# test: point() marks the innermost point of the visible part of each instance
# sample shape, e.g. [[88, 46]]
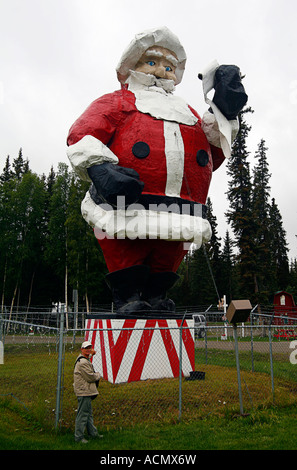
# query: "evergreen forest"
[[47, 250]]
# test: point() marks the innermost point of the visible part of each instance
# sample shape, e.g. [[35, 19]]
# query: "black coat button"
[[141, 150], [202, 157]]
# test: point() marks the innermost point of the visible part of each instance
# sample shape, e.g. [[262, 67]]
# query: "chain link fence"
[[183, 370]]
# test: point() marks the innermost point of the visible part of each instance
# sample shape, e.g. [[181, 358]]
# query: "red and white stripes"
[[132, 350]]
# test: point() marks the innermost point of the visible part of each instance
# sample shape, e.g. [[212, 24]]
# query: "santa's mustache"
[[151, 81], [167, 85]]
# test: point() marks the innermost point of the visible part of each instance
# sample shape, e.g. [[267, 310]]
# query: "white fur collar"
[[155, 97]]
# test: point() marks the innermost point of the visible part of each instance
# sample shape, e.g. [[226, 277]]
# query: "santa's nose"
[[160, 72]]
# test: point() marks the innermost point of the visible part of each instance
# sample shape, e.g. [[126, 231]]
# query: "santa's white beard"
[[148, 80], [152, 98]]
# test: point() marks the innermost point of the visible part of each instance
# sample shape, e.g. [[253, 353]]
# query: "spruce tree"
[[50, 181], [239, 214], [202, 291], [213, 249], [205, 274], [22, 197], [292, 284], [20, 166], [264, 273], [7, 234], [214, 245], [279, 247], [56, 247], [229, 278], [29, 201], [181, 292], [7, 172]]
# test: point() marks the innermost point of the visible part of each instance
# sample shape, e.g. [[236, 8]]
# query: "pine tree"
[[20, 166], [205, 267], [263, 271], [202, 291], [214, 244], [239, 215], [21, 234], [229, 278], [7, 172], [279, 247], [7, 236], [56, 246], [29, 201], [213, 249], [181, 292], [50, 181], [292, 285]]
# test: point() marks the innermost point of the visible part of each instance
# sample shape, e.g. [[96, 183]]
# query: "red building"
[[284, 306]]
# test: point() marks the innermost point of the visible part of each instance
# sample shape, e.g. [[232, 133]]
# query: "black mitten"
[[112, 181], [230, 96]]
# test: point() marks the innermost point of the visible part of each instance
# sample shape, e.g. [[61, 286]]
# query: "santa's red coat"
[[138, 140], [114, 120]]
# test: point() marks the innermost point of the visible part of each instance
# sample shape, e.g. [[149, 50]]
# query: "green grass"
[[281, 366], [266, 429], [144, 415]]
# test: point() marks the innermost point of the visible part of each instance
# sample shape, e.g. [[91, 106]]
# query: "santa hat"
[[162, 37]]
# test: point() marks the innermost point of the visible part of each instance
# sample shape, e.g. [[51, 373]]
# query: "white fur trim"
[[157, 102], [166, 107], [87, 152], [211, 129], [175, 153], [227, 129], [155, 53], [140, 223]]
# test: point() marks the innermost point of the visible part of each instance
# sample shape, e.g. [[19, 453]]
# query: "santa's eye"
[[151, 63], [168, 69]]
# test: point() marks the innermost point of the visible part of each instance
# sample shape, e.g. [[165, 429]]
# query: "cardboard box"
[[239, 311]]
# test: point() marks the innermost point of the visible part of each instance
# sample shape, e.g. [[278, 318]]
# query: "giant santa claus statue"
[[149, 158]]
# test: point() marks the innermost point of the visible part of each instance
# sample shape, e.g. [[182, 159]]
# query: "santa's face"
[[159, 62]]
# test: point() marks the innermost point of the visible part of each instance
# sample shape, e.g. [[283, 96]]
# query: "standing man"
[[85, 385]]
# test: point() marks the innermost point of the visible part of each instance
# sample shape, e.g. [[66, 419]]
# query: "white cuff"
[[87, 152], [227, 129], [211, 129]]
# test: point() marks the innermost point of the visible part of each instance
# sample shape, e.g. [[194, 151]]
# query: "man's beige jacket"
[[85, 378]]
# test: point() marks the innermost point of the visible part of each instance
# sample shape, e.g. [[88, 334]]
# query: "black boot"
[[126, 286], [156, 288]]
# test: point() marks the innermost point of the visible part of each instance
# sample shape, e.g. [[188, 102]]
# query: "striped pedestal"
[[131, 350]]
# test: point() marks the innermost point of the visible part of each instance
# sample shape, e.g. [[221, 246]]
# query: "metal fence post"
[[180, 368], [1, 327], [59, 372], [1, 341], [252, 337], [75, 312], [238, 367], [271, 361], [252, 343], [205, 337]]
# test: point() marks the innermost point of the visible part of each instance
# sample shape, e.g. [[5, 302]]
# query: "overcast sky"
[[57, 56]]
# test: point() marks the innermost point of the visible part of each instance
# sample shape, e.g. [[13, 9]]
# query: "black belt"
[[157, 203]]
